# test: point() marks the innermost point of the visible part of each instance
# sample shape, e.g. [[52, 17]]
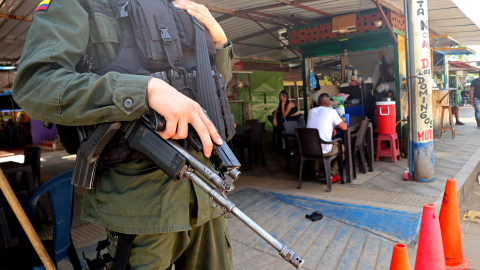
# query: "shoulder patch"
[[43, 6]]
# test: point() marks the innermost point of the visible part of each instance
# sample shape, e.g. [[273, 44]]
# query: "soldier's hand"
[[179, 111], [203, 14]]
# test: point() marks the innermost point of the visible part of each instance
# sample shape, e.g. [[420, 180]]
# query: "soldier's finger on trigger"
[[204, 135], [182, 130], [211, 128]]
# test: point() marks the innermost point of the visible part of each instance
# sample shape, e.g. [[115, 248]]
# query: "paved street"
[[324, 244]]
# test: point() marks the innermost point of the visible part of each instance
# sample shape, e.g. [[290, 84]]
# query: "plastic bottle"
[[349, 74], [340, 110]]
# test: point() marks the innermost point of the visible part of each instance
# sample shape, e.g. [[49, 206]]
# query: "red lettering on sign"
[[421, 136], [425, 135], [425, 63], [425, 35], [425, 44]]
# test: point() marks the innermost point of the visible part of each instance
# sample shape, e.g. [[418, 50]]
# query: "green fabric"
[[204, 247], [136, 198], [339, 99], [133, 197]]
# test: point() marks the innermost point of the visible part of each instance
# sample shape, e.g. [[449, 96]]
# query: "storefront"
[[447, 83], [254, 89], [369, 53], [371, 64]]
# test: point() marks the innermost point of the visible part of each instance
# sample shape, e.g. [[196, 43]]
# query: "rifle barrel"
[[229, 206]]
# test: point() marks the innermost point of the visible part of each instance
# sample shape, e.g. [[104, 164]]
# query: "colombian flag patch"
[[43, 6]]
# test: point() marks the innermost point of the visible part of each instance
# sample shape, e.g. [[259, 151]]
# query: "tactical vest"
[[160, 40]]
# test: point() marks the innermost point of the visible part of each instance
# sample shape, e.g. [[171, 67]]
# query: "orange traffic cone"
[[450, 227], [400, 259], [430, 247]]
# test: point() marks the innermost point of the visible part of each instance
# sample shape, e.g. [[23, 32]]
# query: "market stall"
[[445, 87], [371, 63]]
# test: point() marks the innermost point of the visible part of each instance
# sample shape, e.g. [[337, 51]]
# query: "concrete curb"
[[466, 179]]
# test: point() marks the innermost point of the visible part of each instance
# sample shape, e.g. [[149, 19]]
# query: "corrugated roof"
[[445, 18], [253, 42], [460, 65]]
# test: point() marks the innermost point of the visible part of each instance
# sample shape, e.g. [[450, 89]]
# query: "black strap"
[[167, 40], [124, 245], [128, 42], [205, 83]]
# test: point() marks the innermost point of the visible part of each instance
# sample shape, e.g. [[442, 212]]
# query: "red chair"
[[384, 151]]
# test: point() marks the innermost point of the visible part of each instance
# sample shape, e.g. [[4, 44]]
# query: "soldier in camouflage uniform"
[[173, 221]]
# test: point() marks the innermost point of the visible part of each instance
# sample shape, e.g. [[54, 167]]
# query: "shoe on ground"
[[335, 178], [458, 123]]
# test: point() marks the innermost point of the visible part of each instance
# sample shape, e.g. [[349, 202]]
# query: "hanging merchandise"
[[387, 71], [318, 87], [313, 82]]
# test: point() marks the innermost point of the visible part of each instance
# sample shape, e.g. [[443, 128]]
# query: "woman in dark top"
[[286, 111]]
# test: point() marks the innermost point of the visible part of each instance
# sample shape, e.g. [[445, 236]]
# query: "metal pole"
[[286, 46], [307, 65], [15, 17], [409, 87], [421, 91]]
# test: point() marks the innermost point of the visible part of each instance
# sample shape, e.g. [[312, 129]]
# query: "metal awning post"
[[409, 87], [389, 27]]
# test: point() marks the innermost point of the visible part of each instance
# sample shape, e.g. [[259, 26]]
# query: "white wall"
[[366, 63]]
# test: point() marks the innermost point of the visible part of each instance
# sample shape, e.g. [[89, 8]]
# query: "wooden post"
[[26, 225]]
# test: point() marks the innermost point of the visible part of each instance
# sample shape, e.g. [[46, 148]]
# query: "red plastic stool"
[[384, 151]]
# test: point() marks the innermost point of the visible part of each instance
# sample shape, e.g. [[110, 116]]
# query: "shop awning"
[[458, 65], [443, 41], [454, 51]]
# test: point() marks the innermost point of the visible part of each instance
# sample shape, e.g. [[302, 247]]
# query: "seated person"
[[465, 96], [456, 112], [324, 119], [286, 111]]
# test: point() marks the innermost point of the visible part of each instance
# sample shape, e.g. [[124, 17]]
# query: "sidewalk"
[[385, 186], [379, 202], [362, 220]]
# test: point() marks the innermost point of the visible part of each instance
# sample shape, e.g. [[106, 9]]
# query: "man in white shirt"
[[325, 119]]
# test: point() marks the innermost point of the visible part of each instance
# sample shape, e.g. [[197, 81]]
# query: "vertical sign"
[[422, 92]]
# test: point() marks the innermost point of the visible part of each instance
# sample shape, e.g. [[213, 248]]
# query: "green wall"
[[262, 96]]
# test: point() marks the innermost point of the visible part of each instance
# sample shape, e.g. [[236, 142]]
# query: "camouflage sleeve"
[[223, 61], [49, 89]]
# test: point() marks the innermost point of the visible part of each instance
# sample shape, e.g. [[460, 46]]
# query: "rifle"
[[142, 135]]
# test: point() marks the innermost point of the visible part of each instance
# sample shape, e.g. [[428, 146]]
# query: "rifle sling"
[[205, 82], [124, 245]]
